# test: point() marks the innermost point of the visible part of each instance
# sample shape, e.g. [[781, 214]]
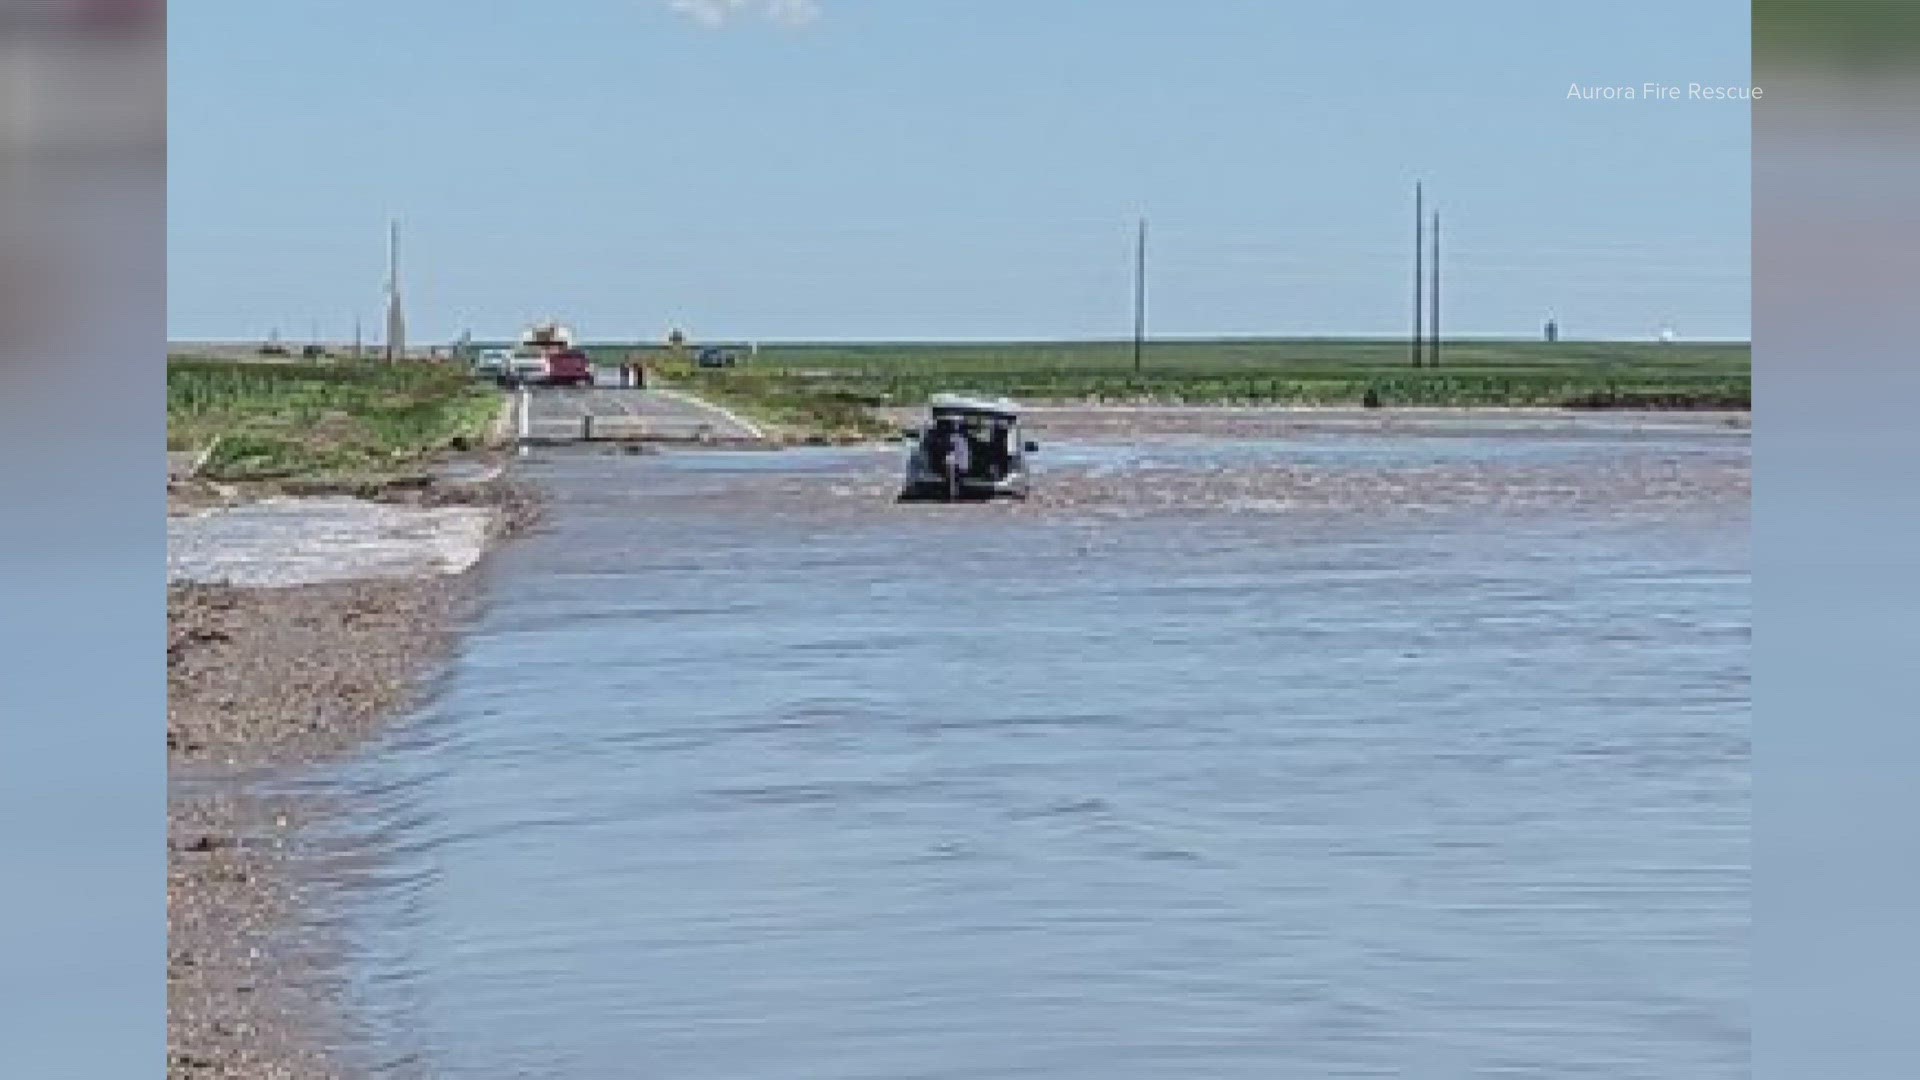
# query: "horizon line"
[[1358, 338]]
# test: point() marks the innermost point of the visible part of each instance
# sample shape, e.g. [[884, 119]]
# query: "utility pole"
[[1418, 283], [356, 337], [396, 321], [1434, 307], [1140, 296]]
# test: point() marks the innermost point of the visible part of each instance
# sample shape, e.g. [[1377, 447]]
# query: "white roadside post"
[[526, 419]]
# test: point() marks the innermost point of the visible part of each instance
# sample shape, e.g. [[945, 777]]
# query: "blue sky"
[[893, 169]]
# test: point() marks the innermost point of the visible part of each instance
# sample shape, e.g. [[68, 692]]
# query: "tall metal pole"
[[1418, 283], [396, 321], [393, 282], [1433, 312], [1140, 296]]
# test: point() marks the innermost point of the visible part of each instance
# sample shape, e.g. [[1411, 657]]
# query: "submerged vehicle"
[[969, 449]]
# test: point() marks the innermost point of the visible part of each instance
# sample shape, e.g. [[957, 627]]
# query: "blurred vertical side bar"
[[82, 524], [1836, 252]]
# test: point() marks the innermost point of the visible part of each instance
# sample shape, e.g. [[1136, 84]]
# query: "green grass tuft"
[[274, 421]]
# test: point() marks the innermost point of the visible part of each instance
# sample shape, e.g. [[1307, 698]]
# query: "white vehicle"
[[492, 363], [525, 367]]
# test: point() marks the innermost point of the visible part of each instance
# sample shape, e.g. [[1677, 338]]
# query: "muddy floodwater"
[[1243, 754]]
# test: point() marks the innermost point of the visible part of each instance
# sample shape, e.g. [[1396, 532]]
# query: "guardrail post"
[[586, 427]]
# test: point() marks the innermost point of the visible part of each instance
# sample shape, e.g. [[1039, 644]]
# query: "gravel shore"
[[262, 682]]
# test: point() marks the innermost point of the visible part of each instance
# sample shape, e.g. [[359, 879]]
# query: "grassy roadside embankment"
[[336, 421], [829, 389], [786, 408], [793, 408]]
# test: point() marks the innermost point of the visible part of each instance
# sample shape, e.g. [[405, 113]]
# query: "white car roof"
[[971, 404]]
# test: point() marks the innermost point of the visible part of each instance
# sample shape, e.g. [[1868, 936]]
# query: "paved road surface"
[[557, 413]]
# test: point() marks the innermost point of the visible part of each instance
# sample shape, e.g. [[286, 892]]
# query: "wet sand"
[[262, 682]]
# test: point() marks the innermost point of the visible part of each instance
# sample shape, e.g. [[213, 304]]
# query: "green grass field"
[[333, 421], [837, 379]]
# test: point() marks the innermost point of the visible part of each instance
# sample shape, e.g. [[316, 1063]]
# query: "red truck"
[[568, 367]]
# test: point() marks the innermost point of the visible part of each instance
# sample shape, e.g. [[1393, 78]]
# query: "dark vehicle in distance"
[[715, 358]]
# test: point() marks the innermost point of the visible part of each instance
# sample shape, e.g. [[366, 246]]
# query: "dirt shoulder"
[[263, 682]]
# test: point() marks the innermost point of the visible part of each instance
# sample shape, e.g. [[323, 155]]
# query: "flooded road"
[[1328, 756]]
